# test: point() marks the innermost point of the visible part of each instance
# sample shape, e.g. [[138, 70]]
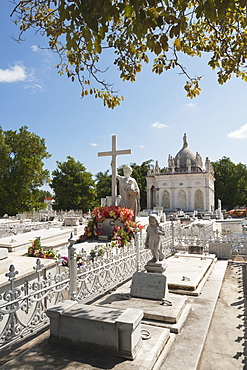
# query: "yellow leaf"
[[177, 44]]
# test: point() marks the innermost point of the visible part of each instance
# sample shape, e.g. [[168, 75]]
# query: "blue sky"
[[151, 121]]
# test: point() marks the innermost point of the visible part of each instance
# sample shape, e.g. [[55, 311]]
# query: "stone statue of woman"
[[153, 239], [129, 191]]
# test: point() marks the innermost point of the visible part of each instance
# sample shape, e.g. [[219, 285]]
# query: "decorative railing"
[[238, 243], [197, 235], [23, 306], [104, 273], [183, 240]]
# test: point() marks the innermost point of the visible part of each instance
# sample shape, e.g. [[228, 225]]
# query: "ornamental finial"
[[185, 141]]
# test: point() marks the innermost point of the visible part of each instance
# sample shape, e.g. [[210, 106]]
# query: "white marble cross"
[[113, 153]]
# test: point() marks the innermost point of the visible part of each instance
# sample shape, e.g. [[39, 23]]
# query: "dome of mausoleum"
[[185, 154]]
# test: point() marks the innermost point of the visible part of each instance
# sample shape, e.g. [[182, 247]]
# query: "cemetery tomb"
[[107, 330], [52, 238]]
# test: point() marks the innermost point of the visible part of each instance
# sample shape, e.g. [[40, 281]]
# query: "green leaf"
[[97, 46], [157, 48], [175, 30], [164, 42], [128, 11], [89, 46], [102, 32]]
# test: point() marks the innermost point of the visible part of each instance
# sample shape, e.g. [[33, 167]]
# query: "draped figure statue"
[[129, 191]]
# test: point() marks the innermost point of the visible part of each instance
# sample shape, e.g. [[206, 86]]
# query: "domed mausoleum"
[[184, 184]]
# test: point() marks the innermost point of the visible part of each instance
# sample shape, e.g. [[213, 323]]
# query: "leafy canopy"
[[230, 183], [73, 186], [103, 184], [80, 31], [21, 170]]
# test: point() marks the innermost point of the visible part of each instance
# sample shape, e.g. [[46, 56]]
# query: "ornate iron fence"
[[238, 243], [23, 307], [192, 236]]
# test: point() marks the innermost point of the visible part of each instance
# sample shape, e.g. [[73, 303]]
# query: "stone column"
[[172, 205], [72, 262], [190, 207], [148, 198], [157, 197], [137, 244], [207, 203]]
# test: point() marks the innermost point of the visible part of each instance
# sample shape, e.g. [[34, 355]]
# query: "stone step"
[[173, 327]]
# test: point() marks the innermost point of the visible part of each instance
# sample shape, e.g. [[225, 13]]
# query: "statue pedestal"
[[156, 267]]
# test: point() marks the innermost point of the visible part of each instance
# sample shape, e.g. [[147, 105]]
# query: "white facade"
[[184, 184]]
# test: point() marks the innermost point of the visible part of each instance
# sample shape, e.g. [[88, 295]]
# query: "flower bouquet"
[[124, 234], [36, 250], [121, 213]]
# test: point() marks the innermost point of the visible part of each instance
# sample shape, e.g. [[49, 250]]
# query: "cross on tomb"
[[113, 153]]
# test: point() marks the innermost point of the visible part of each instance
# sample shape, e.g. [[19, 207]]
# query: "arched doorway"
[[182, 200], [166, 200], [153, 197], [198, 200]]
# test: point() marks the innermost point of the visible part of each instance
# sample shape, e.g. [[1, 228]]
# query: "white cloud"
[[13, 74], [35, 48], [190, 105], [33, 88], [94, 144], [239, 134], [33, 84], [158, 125]]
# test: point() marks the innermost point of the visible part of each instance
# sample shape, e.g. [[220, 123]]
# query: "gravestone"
[[221, 249], [151, 284], [71, 221], [148, 286], [159, 210], [108, 226], [196, 249], [143, 214]]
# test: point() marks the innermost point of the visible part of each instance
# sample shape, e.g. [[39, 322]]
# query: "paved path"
[[226, 344]]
